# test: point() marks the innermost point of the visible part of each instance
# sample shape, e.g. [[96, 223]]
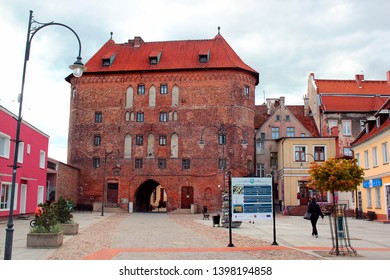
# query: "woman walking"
[[315, 211]]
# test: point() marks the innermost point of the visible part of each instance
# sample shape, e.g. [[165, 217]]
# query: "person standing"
[[315, 211]]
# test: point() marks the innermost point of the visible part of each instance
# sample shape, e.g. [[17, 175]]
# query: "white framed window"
[[300, 153], [5, 142], [369, 199], [347, 127], [5, 195], [374, 156], [366, 160], [332, 123], [378, 203], [385, 153], [357, 156], [21, 152], [42, 159], [40, 194], [319, 153], [290, 132]]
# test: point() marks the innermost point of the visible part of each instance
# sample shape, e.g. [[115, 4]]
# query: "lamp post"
[[273, 209], [222, 131], [78, 69]]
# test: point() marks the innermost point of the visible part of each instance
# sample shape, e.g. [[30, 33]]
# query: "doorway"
[[150, 197], [303, 193], [112, 194], [187, 197]]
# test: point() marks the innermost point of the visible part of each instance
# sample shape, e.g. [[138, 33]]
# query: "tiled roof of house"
[[352, 87], [261, 116], [136, 55], [335, 103], [374, 130]]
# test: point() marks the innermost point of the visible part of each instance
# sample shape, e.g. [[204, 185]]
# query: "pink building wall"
[[30, 176]]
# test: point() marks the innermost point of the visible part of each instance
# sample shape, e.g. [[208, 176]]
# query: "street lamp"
[[222, 131], [273, 208], [78, 69]]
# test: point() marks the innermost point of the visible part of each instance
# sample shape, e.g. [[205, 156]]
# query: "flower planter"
[[70, 229], [44, 240]]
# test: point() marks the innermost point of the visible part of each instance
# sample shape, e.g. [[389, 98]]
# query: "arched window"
[[207, 193], [152, 96], [127, 116], [150, 145], [132, 116], [175, 116], [174, 145], [129, 97], [175, 96], [127, 151]]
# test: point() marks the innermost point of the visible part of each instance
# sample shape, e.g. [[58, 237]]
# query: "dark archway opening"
[[149, 197]]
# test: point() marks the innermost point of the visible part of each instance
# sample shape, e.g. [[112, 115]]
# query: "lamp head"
[[78, 68]]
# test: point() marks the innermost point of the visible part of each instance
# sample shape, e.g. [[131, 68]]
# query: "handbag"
[[307, 216]]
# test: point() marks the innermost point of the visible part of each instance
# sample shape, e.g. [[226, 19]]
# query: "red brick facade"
[[198, 100]]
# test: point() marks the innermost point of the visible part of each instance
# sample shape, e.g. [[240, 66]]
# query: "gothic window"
[[174, 145], [175, 96], [150, 145], [152, 96], [127, 151], [129, 97]]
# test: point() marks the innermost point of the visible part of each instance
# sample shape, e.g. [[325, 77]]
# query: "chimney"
[[282, 101], [359, 78], [388, 78], [306, 108], [136, 42]]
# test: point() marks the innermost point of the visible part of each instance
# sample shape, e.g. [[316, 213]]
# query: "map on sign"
[[251, 198]]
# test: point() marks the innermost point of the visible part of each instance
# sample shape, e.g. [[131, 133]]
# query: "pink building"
[[30, 184]]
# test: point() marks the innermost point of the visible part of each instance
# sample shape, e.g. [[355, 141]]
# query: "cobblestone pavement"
[[166, 236]]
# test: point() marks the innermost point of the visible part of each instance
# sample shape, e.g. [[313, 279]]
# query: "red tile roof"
[[175, 55], [352, 87], [374, 130], [338, 103]]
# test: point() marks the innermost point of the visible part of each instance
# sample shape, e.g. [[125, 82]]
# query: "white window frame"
[[303, 157], [378, 203], [366, 160], [369, 199], [347, 127], [374, 156], [385, 153], [42, 159], [8, 202], [5, 142], [40, 194]]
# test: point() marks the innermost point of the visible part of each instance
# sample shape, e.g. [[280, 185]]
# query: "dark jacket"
[[315, 210]]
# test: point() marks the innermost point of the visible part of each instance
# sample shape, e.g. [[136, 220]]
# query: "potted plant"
[[47, 232], [63, 209]]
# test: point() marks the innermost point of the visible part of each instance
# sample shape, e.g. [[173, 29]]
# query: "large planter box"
[[44, 240], [70, 229]]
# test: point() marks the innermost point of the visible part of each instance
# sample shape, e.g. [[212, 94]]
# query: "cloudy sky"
[[284, 40]]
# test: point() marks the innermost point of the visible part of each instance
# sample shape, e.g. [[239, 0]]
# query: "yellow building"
[[371, 148], [294, 157]]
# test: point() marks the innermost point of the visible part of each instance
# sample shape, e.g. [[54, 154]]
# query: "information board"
[[251, 198]]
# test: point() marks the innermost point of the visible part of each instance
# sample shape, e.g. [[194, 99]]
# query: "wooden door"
[[112, 194], [187, 197]]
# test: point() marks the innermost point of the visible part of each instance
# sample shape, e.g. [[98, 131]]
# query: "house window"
[[140, 117], [366, 160], [163, 116], [98, 117], [162, 163], [290, 132], [96, 162], [277, 118], [346, 128], [21, 152], [300, 153], [162, 140], [362, 124], [288, 118], [260, 170], [332, 123], [141, 89], [274, 160], [163, 89], [319, 153], [246, 91], [139, 140], [275, 132], [374, 157], [262, 135], [5, 142], [42, 159], [5, 192], [185, 163], [260, 147], [348, 152], [369, 199], [385, 153], [378, 203], [222, 163], [357, 156], [97, 140], [138, 163]]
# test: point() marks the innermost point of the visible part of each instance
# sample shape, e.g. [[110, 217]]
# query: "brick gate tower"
[[140, 111]]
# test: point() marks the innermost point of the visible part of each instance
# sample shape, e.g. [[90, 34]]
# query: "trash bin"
[[216, 220]]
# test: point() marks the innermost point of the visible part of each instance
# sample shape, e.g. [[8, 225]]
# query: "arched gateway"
[[150, 196]]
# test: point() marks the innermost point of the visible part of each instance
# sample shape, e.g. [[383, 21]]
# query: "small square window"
[[186, 163], [98, 117], [141, 89], [138, 163], [162, 163], [163, 89], [139, 140], [163, 116], [162, 140], [140, 117], [96, 162]]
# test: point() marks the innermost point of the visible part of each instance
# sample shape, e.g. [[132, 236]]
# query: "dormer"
[[204, 56], [154, 57], [370, 123], [108, 58]]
